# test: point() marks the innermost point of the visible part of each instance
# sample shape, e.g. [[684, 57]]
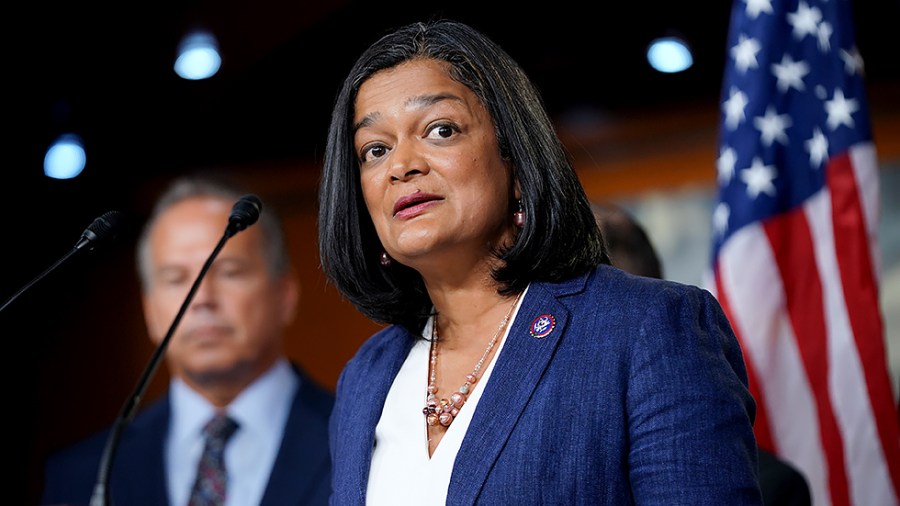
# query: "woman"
[[518, 366]]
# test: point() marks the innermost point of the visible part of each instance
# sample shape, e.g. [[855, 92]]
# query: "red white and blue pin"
[[542, 326]]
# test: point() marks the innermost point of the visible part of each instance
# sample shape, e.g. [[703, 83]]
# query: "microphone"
[[244, 213], [102, 229]]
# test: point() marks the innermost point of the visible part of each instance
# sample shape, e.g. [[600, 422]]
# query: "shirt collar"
[[260, 407]]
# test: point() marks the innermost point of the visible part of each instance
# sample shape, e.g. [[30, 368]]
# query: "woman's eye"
[[442, 131], [372, 153]]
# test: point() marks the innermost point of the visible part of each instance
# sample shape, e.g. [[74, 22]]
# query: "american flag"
[[795, 258]]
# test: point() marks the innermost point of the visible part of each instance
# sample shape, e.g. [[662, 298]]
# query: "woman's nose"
[[406, 162]]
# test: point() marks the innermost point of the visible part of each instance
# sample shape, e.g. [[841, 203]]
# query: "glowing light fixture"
[[198, 56], [66, 158], [669, 55]]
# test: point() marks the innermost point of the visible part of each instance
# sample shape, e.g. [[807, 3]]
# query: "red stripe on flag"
[[858, 279], [792, 246], [761, 427]]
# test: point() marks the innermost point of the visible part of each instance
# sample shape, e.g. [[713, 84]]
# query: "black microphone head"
[[104, 227], [244, 213]]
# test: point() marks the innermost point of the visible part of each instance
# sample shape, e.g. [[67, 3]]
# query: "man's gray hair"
[[187, 187]]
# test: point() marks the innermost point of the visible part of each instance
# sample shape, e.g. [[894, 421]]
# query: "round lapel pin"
[[542, 325]]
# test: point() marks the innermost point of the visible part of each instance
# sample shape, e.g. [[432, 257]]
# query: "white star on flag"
[[734, 108], [772, 126], [758, 178], [744, 53], [725, 165], [840, 110], [817, 146], [789, 74]]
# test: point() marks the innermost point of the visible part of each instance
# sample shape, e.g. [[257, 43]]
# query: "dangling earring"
[[519, 215], [385, 259]]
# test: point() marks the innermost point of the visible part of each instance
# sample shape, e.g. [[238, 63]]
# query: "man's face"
[[232, 329]]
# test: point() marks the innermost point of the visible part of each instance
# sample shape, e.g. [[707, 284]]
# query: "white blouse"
[[401, 471]]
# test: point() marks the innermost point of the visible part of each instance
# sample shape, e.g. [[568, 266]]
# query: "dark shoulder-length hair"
[[560, 237]]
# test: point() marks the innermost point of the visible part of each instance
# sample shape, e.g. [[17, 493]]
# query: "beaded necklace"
[[444, 411]]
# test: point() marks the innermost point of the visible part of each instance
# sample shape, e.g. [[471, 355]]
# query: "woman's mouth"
[[412, 204]]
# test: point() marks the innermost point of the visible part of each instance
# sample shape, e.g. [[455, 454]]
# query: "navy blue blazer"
[[300, 476], [638, 395]]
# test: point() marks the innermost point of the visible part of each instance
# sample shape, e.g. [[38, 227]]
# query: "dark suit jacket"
[[300, 477], [782, 484], [638, 395]]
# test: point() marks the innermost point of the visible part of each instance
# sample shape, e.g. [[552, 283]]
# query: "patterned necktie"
[[209, 489]]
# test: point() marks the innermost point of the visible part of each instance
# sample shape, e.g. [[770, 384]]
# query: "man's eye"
[[172, 280]]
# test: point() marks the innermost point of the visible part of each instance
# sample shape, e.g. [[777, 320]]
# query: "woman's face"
[[432, 177]]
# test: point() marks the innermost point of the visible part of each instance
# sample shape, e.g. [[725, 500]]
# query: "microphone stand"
[[38, 278], [100, 496]]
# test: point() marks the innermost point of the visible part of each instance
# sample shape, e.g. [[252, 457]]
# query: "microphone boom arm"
[[103, 228], [38, 278]]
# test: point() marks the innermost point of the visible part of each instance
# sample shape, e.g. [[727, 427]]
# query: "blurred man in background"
[[225, 358]]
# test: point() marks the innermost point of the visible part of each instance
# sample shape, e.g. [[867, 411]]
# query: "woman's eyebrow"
[[418, 102]]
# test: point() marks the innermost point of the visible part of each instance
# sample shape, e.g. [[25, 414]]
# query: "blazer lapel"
[[516, 373], [360, 431]]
